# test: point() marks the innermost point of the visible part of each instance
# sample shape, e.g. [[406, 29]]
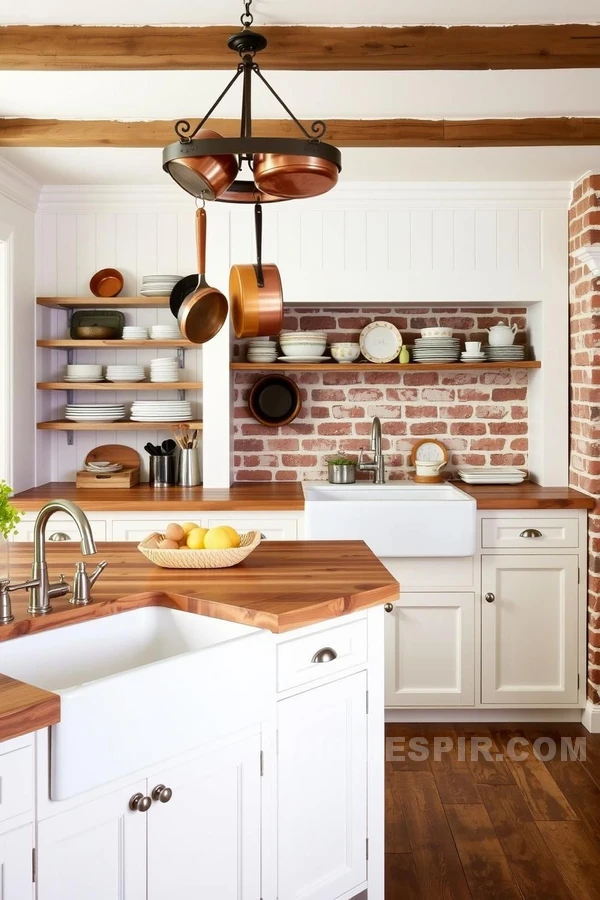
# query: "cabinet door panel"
[[430, 650], [96, 851], [15, 864], [322, 791], [530, 630], [205, 841]]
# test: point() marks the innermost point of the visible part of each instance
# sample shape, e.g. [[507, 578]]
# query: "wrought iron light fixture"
[[249, 169]]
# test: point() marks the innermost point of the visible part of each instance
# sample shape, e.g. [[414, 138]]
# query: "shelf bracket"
[[181, 357], [181, 395], [69, 397], [70, 357], [70, 312], [69, 438]]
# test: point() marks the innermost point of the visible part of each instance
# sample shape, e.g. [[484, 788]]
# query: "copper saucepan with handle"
[[255, 293], [203, 312]]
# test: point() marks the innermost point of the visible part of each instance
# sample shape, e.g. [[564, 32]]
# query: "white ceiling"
[[120, 166], [304, 12]]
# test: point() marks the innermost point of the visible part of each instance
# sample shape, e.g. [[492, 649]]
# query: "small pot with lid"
[[502, 335]]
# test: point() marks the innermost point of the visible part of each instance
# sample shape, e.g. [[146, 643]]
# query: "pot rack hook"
[[202, 203]]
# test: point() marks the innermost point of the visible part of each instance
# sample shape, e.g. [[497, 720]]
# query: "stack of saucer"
[[84, 373], [134, 333], [158, 285], [513, 353], [100, 466], [161, 411], [95, 412], [261, 350], [164, 370], [125, 373], [165, 333], [436, 349], [474, 356]]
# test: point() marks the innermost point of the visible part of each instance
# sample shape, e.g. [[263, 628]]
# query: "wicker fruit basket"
[[198, 559]]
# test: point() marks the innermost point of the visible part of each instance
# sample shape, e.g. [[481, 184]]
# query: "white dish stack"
[[442, 349], [164, 370], [125, 373], [81, 373], [161, 411], [492, 475], [95, 412], [261, 350], [135, 333], [158, 285], [165, 333], [302, 346], [514, 353]]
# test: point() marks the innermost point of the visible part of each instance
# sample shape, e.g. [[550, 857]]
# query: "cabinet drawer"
[[16, 781], [272, 529], [59, 524], [296, 659], [533, 533]]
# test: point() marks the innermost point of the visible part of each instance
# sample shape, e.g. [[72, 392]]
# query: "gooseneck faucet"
[[41, 591], [378, 464]]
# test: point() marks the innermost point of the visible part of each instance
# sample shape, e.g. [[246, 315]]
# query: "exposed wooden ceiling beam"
[[299, 47], [342, 132]]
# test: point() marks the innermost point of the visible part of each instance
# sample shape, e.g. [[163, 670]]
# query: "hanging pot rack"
[[263, 169]]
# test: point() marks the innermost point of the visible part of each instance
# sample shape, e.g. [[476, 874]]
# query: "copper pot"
[[274, 401], [205, 176], [203, 312], [294, 177], [255, 293]]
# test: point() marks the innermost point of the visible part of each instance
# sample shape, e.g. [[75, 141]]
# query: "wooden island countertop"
[[274, 496], [282, 585]]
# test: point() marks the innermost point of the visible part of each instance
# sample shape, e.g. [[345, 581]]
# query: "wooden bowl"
[[198, 559], [106, 283]]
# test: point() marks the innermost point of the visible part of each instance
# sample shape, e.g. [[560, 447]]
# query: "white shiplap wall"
[[369, 244]]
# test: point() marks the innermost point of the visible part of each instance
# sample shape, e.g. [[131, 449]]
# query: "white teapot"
[[502, 335]]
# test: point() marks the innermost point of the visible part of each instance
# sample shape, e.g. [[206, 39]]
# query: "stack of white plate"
[[161, 411], [134, 333], [164, 370], [158, 285], [492, 475], [84, 373], [99, 466], [302, 346], [514, 353], [95, 412], [125, 373], [436, 349], [165, 333], [261, 351]]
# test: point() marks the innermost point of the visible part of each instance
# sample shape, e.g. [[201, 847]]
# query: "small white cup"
[[473, 347], [427, 468]]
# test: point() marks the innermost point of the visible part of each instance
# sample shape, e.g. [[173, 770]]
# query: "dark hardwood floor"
[[490, 828]]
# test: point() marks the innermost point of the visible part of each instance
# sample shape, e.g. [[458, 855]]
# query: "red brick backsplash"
[[584, 217], [480, 416]]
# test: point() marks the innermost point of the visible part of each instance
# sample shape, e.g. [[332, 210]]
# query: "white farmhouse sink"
[[140, 687], [395, 520]]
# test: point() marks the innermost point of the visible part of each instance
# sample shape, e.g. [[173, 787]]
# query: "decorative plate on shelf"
[[380, 342], [429, 450]]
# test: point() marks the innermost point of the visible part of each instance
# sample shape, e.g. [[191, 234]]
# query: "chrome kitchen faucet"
[[377, 467]]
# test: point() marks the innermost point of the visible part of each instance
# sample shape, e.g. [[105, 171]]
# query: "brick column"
[[584, 469]]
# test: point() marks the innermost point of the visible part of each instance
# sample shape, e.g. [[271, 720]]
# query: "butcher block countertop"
[[280, 496], [282, 585]]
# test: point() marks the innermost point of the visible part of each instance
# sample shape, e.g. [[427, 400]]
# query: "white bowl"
[[345, 352], [303, 349], [438, 331]]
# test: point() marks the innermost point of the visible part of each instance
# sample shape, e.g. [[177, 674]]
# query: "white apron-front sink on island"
[[141, 686], [395, 520]]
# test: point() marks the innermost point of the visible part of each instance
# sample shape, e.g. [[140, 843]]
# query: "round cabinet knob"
[[162, 794], [140, 803], [531, 533], [327, 654], [389, 607], [490, 598]]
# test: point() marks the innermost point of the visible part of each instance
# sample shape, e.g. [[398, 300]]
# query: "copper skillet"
[[202, 312], [255, 293]]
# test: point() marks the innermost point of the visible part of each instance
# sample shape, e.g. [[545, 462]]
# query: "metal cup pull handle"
[[327, 654], [531, 533]]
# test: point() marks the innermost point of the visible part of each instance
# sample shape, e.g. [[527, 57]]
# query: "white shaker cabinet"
[[16, 881], [204, 836], [322, 790], [95, 851], [430, 650], [529, 629]]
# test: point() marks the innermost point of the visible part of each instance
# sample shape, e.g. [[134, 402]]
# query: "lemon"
[[235, 538], [189, 526], [195, 539], [218, 539]]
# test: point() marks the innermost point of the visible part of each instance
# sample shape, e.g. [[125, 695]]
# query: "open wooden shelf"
[[118, 344], [103, 302], [382, 367], [63, 425], [119, 386]]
